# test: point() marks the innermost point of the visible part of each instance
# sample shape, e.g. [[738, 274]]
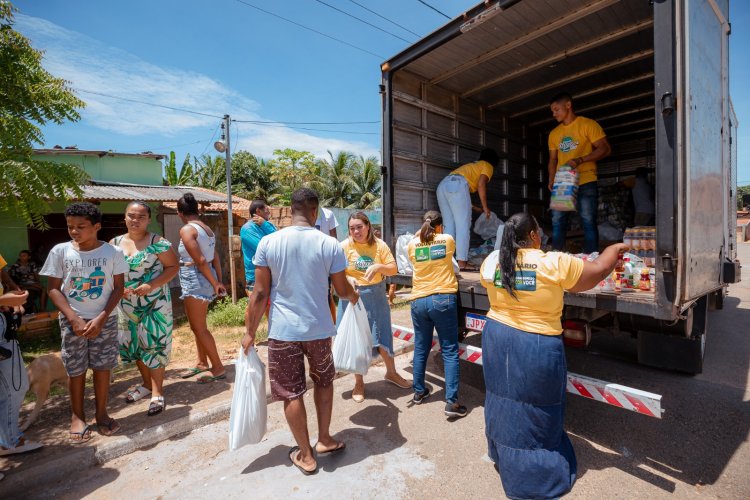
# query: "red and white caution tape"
[[620, 396]]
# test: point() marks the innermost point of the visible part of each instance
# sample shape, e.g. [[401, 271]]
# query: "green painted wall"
[[133, 169]]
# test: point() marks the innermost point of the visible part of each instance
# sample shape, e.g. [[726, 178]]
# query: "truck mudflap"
[[619, 396]]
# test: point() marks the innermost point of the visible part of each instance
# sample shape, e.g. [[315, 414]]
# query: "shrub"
[[224, 313]]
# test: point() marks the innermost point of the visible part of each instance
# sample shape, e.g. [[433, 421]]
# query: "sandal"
[[468, 268], [138, 392], [207, 379], [111, 427], [293, 454], [398, 381], [192, 372], [83, 436], [156, 406]]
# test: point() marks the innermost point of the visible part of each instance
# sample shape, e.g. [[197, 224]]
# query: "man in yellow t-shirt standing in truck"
[[579, 143]]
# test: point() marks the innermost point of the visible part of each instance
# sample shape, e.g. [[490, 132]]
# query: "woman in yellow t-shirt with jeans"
[[524, 359], [368, 262], [434, 307]]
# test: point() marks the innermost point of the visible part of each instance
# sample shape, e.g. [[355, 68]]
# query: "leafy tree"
[[185, 177], [253, 177], [30, 97], [367, 185], [292, 170], [336, 179], [210, 172]]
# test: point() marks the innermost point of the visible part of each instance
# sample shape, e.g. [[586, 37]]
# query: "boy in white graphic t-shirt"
[[86, 282]]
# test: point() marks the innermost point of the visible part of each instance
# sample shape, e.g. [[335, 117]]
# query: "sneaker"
[[455, 410], [421, 396]]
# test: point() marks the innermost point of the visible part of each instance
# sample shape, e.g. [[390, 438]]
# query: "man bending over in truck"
[[579, 143]]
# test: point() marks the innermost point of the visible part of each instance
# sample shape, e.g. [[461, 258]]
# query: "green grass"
[[224, 313]]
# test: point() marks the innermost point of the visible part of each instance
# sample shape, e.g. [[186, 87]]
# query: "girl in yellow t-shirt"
[[435, 307], [524, 359], [368, 262]]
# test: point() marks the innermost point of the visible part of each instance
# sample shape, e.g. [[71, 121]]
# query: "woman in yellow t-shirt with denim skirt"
[[524, 359], [368, 262], [434, 306]]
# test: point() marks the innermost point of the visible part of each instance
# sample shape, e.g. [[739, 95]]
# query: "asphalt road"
[[699, 449]]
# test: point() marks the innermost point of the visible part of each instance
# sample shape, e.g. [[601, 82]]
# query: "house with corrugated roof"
[[117, 179]]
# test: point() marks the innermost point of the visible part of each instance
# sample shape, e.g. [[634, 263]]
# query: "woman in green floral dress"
[[145, 312]]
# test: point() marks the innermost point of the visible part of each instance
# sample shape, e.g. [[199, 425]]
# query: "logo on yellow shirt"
[[363, 263], [525, 280], [432, 252], [568, 144]]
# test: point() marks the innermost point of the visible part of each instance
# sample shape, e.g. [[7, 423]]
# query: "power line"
[[261, 122], [309, 29], [433, 8], [362, 20], [316, 129], [385, 18], [210, 141], [148, 103], [167, 147]]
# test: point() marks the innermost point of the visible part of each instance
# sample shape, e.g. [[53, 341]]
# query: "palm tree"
[[185, 176], [210, 172], [366, 194], [335, 181]]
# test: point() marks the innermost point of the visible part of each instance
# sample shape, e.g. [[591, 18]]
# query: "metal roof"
[[84, 152], [512, 59], [98, 190]]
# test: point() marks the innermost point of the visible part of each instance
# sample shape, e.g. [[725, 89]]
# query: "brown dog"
[[43, 372]]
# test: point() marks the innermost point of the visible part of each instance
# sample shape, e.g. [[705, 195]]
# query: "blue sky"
[[221, 56]]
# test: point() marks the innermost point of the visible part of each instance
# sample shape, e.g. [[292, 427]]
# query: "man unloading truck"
[[579, 143]]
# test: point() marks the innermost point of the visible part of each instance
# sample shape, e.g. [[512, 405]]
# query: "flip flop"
[[340, 446], [292, 454], [112, 427], [192, 372], [207, 379], [84, 436]]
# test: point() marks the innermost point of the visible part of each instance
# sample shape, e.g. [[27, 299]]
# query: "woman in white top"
[[200, 272]]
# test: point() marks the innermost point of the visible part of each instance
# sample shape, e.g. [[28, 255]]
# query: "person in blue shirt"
[[251, 233]]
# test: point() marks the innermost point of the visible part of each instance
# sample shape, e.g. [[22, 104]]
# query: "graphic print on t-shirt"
[[568, 144], [525, 280], [91, 287], [426, 251], [363, 263]]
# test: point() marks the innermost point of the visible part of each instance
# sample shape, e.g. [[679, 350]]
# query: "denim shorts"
[[195, 285]]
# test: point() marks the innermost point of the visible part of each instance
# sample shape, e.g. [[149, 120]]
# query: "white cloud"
[[91, 65]]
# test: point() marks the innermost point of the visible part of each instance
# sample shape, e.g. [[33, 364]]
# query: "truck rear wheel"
[[682, 353]]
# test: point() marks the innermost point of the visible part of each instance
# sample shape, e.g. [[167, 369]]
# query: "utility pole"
[[230, 217]]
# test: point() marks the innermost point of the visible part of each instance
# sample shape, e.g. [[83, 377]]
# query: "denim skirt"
[[526, 375], [195, 285], [375, 300]]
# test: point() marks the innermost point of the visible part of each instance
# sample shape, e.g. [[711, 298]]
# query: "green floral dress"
[[145, 323]]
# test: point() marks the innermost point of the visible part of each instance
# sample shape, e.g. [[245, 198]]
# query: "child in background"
[[86, 282]]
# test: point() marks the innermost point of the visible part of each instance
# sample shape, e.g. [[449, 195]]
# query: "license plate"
[[475, 322]]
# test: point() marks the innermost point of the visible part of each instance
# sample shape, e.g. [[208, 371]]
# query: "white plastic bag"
[[248, 415], [352, 349], [487, 228], [565, 190], [402, 253]]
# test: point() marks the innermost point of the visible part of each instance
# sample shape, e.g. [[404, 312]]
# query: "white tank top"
[[206, 243]]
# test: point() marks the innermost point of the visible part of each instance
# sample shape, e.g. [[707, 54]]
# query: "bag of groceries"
[[565, 190]]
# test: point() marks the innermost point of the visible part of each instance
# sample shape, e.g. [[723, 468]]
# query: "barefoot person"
[[368, 262], [200, 272], [85, 280], [292, 267], [145, 312]]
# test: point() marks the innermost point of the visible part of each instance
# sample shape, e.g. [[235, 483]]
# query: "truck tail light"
[[576, 333]]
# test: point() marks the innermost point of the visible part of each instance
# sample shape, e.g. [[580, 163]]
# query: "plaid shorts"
[[79, 354], [286, 366]]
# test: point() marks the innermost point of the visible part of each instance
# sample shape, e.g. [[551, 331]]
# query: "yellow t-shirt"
[[575, 140], [360, 257], [433, 266], [541, 279], [472, 171]]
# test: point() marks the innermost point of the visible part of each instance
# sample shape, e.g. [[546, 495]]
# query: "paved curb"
[[16, 483]]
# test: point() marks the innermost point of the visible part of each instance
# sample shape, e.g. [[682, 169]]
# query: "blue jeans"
[[454, 201], [14, 382], [440, 312], [588, 208]]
